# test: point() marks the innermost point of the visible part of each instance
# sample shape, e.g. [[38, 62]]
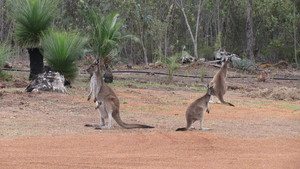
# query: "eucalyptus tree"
[[249, 27], [33, 19], [194, 36]]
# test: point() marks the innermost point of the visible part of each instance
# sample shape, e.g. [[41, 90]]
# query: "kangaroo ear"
[[230, 58], [97, 61], [211, 84]]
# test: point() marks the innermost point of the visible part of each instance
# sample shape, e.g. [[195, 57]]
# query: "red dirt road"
[[151, 150], [45, 130]]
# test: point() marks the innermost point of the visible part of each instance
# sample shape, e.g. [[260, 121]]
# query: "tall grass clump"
[[61, 50], [172, 64], [244, 65], [5, 52], [33, 17]]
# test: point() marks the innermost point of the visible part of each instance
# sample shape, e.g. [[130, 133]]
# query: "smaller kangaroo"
[[94, 89], [219, 82], [93, 86], [197, 110]]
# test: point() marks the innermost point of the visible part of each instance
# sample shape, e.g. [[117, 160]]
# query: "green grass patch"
[[258, 103], [152, 108], [293, 107]]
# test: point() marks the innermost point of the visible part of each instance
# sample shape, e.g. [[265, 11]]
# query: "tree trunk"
[[193, 37], [295, 38], [36, 62], [108, 76], [249, 30], [145, 53]]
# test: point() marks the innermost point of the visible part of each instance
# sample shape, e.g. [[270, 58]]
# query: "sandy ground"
[[46, 130]]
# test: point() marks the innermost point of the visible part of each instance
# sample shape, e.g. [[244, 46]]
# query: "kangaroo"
[[197, 110], [220, 85], [93, 85], [107, 100]]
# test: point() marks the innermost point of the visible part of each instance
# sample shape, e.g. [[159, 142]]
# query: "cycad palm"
[[33, 18], [106, 38], [61, 51], [172, 64], [106, 35]]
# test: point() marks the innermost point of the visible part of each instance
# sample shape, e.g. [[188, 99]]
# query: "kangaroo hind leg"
[[220, 97], [107, 113]]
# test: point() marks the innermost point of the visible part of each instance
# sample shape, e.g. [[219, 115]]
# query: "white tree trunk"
[[249, 28], [194, 37]]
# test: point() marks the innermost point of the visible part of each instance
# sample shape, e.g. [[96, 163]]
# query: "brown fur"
[[197, 110], [219, 81], [107, 101]]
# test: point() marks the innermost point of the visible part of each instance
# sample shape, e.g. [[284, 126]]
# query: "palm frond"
[[106, 35], [61, 51], [33, 17]]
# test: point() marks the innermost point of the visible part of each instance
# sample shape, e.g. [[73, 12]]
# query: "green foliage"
[[273, 22], [172, 64], [244, 65], [160, 26], [202, 73], [106, 35], [218, 42], [5, 52], [278, 47], [207, 52], [33, 17], [61, 51]]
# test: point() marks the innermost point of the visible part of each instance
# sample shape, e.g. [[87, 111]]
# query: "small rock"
[[7, 65], [20, 84]]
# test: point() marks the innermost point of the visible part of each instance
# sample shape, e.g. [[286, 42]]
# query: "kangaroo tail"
[[181, 129], [117, 118], [227, 103]]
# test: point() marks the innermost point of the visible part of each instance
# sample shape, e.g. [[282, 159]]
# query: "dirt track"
[[45, 130], [150, 150]]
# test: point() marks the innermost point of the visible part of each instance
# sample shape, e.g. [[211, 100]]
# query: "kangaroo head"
[[227, 62], [94, 67], [210, 88]]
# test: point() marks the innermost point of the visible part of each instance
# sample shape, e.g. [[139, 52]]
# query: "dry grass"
[[277, 93]]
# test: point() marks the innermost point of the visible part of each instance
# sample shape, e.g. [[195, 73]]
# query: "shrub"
[[207, 52], [61, 51], [33, 17], [172, 64], [245, 65], [4, 54]]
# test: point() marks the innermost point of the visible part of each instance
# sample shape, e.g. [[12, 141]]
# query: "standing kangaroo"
[[197, 110], [220, 85], [107, 101]]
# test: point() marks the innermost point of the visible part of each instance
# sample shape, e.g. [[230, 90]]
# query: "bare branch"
[[198, 18], [180, 5]]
